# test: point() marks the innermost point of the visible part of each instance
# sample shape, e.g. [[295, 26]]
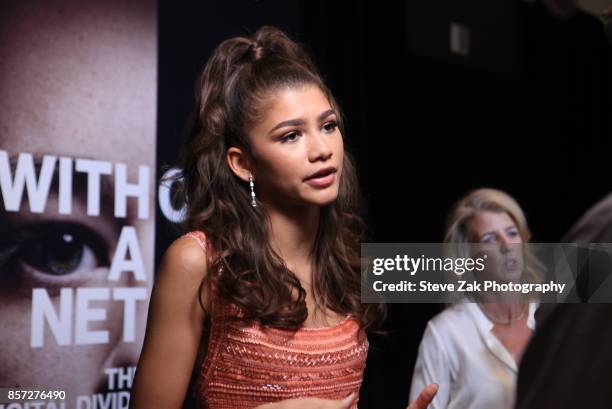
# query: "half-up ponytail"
[[231, 94]]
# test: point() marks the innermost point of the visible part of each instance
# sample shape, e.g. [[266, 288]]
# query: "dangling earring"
[[253, 202]]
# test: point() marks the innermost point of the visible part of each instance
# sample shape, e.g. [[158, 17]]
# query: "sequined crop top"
[[248, 365]]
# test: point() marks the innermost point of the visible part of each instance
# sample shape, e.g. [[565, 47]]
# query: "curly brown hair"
[[240, 76]]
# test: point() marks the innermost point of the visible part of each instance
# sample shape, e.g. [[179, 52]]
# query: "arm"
[[174, 329], [432, 366]]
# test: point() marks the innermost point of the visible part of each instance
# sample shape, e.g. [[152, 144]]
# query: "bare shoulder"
[[185, 257], [177, 289]]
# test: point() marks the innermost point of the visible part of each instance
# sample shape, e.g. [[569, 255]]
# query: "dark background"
[[527, 112]]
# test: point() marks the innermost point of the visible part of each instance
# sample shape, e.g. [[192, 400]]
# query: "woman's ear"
[[239, 163]]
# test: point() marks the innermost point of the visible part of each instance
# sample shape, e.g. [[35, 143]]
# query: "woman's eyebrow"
[[298, 122], [288, 122], [326, 114]]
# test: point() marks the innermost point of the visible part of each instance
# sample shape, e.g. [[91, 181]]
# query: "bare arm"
[[174, 329]]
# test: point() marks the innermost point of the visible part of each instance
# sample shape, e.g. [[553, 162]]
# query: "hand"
[[313, 403], [425, 397]]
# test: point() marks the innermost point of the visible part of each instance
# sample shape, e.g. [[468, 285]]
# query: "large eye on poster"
[[78, 86]]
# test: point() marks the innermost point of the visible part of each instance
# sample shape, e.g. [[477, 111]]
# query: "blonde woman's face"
[[298, 149], [497, 236]]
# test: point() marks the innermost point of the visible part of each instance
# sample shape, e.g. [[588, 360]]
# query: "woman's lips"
[[511, 264], [322, 181]]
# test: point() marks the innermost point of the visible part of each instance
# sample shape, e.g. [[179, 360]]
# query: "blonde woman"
[[472, 349]]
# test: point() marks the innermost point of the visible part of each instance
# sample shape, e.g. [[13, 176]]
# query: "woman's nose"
[[506, 243], [319, 149]]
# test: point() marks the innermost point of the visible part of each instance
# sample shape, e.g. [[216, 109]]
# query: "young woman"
[[261, 300], [473, 348]]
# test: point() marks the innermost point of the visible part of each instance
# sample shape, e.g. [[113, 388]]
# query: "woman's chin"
[[311, 200], [510, 277], [324, 201], [322, 197]]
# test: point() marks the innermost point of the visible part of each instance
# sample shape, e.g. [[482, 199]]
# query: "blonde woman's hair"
[[483, 200], [457, 229]]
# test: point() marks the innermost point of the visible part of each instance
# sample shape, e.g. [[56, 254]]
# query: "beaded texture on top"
[[248, 364]]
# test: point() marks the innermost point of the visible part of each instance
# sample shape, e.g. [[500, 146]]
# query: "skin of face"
[[498, 237], [78, 81], [297, 137]]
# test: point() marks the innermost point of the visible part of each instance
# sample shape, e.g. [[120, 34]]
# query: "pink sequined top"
[[249, 365]]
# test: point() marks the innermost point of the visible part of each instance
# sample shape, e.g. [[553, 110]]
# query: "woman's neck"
[[503, 307], [506, 299], [501, 313], [292, 236]]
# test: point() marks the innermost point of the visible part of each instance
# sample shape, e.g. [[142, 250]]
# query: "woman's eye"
[[330, 126], [487, 239], [290, 137], [512, 233], [60, 249]]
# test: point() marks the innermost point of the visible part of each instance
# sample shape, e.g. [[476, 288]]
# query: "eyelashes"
[[330, 126], [293, 136], [52, 253], [290, 137], [491, 238]]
